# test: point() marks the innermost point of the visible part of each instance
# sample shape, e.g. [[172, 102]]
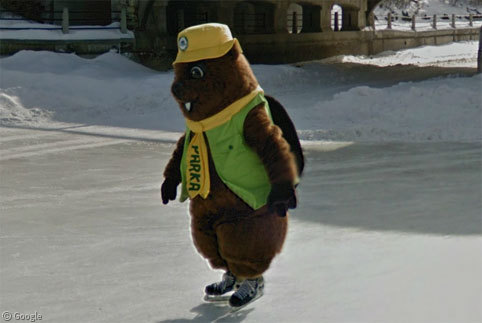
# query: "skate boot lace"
[[248, 288], [227, 280]]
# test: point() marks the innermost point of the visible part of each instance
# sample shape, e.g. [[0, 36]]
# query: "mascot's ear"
[[235, 51]]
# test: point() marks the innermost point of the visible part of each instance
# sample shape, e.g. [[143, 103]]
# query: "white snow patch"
[[435, 110], [12, 111], [462, 54]]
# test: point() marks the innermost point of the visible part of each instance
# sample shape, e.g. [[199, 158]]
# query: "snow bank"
[[436, 110], [450, 55], [108, 90], [326, 101]]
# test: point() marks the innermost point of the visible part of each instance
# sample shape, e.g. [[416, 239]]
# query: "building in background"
[[83, 12], [270, 31]]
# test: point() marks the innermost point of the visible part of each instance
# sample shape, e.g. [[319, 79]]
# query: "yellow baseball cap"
[[204, 41]]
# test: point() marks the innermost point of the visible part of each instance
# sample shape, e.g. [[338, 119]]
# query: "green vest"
[[237, 164]]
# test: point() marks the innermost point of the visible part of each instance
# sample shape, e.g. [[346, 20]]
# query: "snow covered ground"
[[388, 228], [450, 55], [429, 7], [40, 89], [16, 27], [424, 10]]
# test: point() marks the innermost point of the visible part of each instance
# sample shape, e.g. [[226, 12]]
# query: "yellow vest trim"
[[223, 116], [197, 172]]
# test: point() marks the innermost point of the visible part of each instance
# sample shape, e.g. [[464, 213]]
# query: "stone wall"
[[157, 22], [289, 48], [263, 28], [80, 47]]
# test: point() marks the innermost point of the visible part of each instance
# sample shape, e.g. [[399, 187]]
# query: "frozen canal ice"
[[383, 233], [428, 188]]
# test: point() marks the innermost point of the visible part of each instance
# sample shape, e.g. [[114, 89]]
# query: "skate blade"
[[216, 298], [235, 309]]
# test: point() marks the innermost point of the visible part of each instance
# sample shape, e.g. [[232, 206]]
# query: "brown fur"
[[228, 79], [225, 230]]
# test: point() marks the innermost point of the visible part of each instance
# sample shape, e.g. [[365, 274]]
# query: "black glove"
[[169, 190], [281, 198]]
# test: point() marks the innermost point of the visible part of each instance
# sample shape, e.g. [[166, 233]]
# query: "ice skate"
[[216, 291], [249, 291]]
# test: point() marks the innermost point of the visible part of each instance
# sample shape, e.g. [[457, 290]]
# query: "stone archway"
[[336, 17], [294, 18], [254, 17], [311, 17], [244, 18], [350, 18], [346, 16], [183, 14]]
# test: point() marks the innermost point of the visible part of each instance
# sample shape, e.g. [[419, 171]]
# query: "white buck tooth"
[[188, 106]]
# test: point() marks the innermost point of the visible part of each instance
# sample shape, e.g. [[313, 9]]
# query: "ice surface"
[[383, 233]]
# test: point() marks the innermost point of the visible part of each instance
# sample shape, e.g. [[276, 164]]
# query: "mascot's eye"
[[197, 72]]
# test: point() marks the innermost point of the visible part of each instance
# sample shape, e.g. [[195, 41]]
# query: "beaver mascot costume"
[[235, 164]]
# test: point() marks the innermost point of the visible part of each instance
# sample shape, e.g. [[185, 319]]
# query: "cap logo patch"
[[183, 43]]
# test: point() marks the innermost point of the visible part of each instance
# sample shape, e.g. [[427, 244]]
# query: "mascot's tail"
[[283, 120]]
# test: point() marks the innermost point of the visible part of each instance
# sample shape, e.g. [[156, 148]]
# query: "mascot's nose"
[[178, 89]]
